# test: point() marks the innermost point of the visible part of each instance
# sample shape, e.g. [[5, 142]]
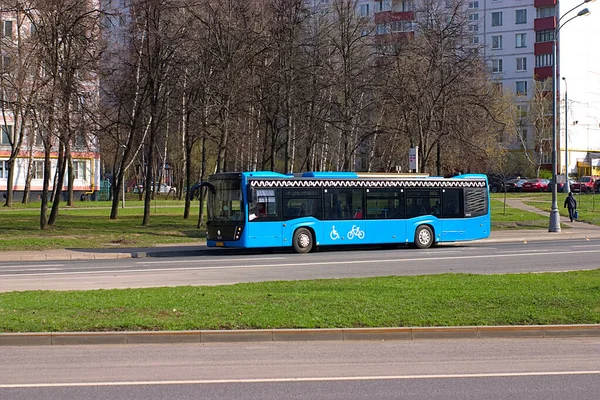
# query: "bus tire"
[[423, 237], [303, 240]]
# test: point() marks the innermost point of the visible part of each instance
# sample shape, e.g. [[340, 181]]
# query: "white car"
[[164, 188]]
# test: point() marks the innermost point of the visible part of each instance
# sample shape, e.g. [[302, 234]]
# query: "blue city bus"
[[303, 211]]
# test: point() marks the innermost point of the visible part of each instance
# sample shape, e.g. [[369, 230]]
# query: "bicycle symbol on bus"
[[354, 232]]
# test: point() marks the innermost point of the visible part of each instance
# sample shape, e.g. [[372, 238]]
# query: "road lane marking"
[[31, 269], [303, 264], [309, 379], [212, 260], [586, 245], [32, 265]]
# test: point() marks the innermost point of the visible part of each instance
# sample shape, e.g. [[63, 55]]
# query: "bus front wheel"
[[423, 237], [303, 240]]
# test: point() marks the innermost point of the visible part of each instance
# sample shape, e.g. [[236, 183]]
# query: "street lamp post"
[[554, 225], [566, 188]]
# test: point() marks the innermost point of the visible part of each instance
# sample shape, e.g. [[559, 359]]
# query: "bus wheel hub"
[[303, 240]]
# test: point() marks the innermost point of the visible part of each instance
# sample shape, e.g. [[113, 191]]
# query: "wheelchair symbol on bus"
[[352, 233], [334, 235]]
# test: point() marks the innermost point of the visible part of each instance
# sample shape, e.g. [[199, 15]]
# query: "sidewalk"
[[570, 230]]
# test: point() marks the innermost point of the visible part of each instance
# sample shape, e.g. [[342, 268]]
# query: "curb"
[[291, 335]]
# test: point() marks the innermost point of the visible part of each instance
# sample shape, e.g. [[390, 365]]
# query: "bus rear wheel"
[[423, 237], [303, 240]]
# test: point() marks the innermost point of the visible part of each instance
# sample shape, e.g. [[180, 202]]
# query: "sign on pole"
[[413, 159]]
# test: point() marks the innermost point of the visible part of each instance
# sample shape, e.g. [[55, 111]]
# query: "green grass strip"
[[434, 300]]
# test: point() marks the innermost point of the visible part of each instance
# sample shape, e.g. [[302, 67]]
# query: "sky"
[[579, 62]]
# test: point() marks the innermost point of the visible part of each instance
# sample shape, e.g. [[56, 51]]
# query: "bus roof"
[[352, 175]]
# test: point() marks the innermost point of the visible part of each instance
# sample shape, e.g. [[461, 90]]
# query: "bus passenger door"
[[264, 228], [385, 212], [453, 215]]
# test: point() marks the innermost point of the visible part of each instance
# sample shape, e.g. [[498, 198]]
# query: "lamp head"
[[583, 12]]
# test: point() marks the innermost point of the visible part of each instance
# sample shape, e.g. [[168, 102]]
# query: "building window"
[[473, 28], [521, 63], [38, 169], [79, 170], [497, 42], [5, 138], [544, 12], [6, 63], [521, 17], [385, 5], [364, 10], [406, 6], [401, 26], [544, 36], [474, 39], [473, 4], [7, 29], [497, 86], [497, 19], [543, 60], [474, 17], [521, 40], [522, 110], [521, 88], [3, 169], [497, 66], [546, 156], [524, 136]]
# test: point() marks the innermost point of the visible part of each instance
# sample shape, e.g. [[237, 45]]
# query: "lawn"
[[87, 225], [434, 300], [588, 206]]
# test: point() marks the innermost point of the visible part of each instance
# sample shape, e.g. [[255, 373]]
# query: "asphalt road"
[[428, 369], [216, 267]]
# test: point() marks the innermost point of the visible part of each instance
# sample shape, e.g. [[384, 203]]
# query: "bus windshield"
[[225, 204]]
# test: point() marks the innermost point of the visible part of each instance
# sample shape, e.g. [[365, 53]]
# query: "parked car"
[[536, 185], [495, 183], [164, 188], [584, 185], [510, 185], [560, 186], [515, 185]]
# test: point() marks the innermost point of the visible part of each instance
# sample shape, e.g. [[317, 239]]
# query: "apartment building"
[[29, 162], [516, 37]]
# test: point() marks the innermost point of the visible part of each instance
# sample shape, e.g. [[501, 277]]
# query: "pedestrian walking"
[[571, 205]]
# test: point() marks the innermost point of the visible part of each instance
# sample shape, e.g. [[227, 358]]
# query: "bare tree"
[[443, 79], [19, 84], [66, 33], [539, 117]]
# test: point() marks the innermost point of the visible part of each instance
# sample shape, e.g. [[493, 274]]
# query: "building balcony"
[[394, 37], [384, 17], [542, 24], [542, 48], [542, 73], [544, 3]]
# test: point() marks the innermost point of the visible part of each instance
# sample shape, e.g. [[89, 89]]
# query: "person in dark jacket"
[[571, 205]]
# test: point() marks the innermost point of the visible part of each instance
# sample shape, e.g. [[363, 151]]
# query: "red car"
[[535, 185], [584, 185]]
